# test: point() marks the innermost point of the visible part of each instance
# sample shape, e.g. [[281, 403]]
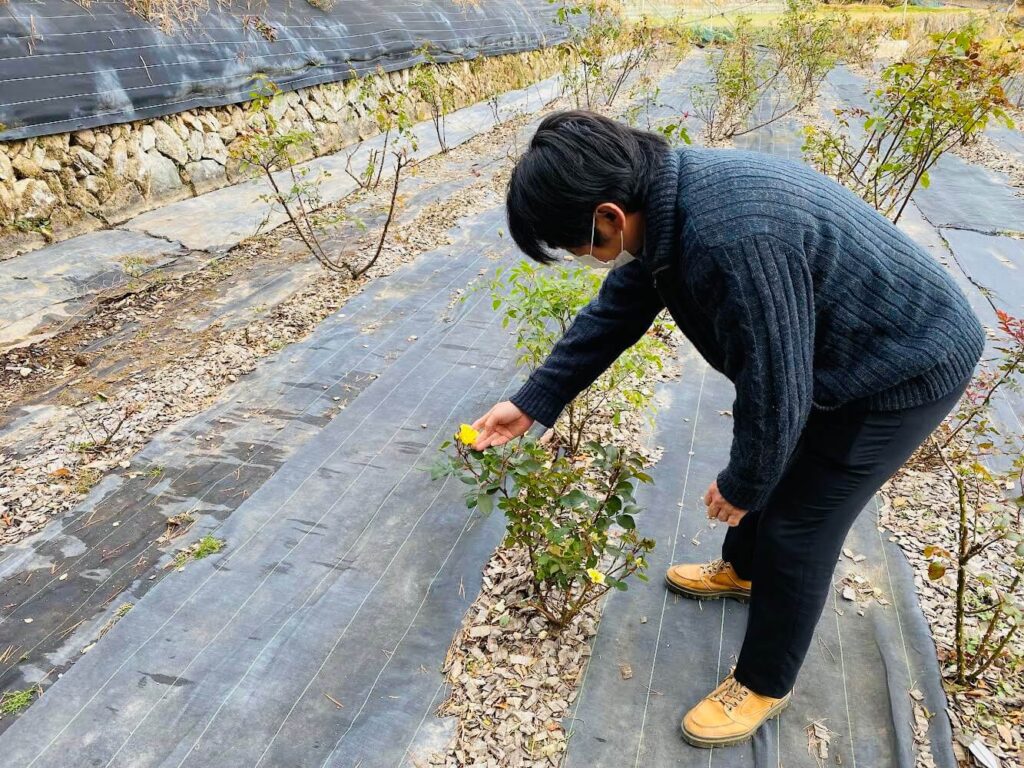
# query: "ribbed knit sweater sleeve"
[[612, 322], [764, 321]]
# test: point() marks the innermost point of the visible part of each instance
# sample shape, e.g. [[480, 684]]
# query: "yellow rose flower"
[[467, 435], [595, 575]]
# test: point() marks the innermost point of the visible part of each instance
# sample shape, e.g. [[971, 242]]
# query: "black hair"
[[576, 161]]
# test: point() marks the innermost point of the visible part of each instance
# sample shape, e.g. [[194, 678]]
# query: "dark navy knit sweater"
[[788, 283]]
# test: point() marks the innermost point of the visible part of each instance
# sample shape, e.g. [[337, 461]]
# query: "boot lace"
[[732, 695], [714, 567]]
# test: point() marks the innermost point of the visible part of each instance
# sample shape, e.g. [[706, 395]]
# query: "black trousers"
[[790, 548]]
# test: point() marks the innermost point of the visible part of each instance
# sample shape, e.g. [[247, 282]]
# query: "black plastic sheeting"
[[64, 67]]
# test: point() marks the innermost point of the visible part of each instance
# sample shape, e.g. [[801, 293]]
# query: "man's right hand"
[[500, 424]]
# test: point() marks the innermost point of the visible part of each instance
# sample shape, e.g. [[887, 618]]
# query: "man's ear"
[[612, 215]]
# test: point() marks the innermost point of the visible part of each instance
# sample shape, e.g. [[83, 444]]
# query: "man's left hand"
[[719, 508]]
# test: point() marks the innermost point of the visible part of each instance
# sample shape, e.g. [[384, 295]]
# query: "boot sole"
[[695, 594], [695, 741]]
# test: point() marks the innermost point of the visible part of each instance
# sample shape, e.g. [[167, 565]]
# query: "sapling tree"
[[437, 93], [983, 462], [923, 108], [393, 112], [542, 303], [593, 29], [271, 149], [574, 516], [760, 77]]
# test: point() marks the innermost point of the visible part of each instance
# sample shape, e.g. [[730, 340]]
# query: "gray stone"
[[214, 149], [6, 167], [119, 158], [178, 126], [27, 167], [195, 145], [278, 106], [57, 143], [85, 138], [7, 201], [123, 203], [102, 147], [314, 110], [228, 133], [46, 162], [148, 138], [169, 143], [162, 173], [87, 160], [81, 198], [205, 175], [191, 121], [99, 186], [35, 200]]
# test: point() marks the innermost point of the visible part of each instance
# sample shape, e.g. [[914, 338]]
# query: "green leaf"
[[936, 570], [485, 504], [626, 521], [574, 498]]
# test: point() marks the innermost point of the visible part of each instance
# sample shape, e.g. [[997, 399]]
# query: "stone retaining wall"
[[55, 187]]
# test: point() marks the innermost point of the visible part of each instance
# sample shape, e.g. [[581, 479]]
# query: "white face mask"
[[589, 260]]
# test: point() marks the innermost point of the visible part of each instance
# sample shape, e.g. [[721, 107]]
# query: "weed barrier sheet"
[[68, 66], [343, 580], [657, 654]]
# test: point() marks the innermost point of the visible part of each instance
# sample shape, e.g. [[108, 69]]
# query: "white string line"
[[352, 618], [230, 473], [408, 747], [227, 406], [426, 594], [190, 64], [387, 663], [430, 705], [718, 668], [211, 488], [150, 86], [892, 590], [278, 27], [846, 693], [88, 12], [241, 547], [423, 126], [328, 572], [205, 43], [672, 556], [582, 687], [140, 113]]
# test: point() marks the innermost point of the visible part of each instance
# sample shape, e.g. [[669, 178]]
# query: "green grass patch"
[[13, 702], [206, 546]]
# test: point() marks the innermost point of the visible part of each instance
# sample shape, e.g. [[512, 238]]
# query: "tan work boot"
[[730, 714], [707, 581]]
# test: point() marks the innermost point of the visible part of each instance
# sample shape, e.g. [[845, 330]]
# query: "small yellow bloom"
[[595, 575], [467, 435]]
